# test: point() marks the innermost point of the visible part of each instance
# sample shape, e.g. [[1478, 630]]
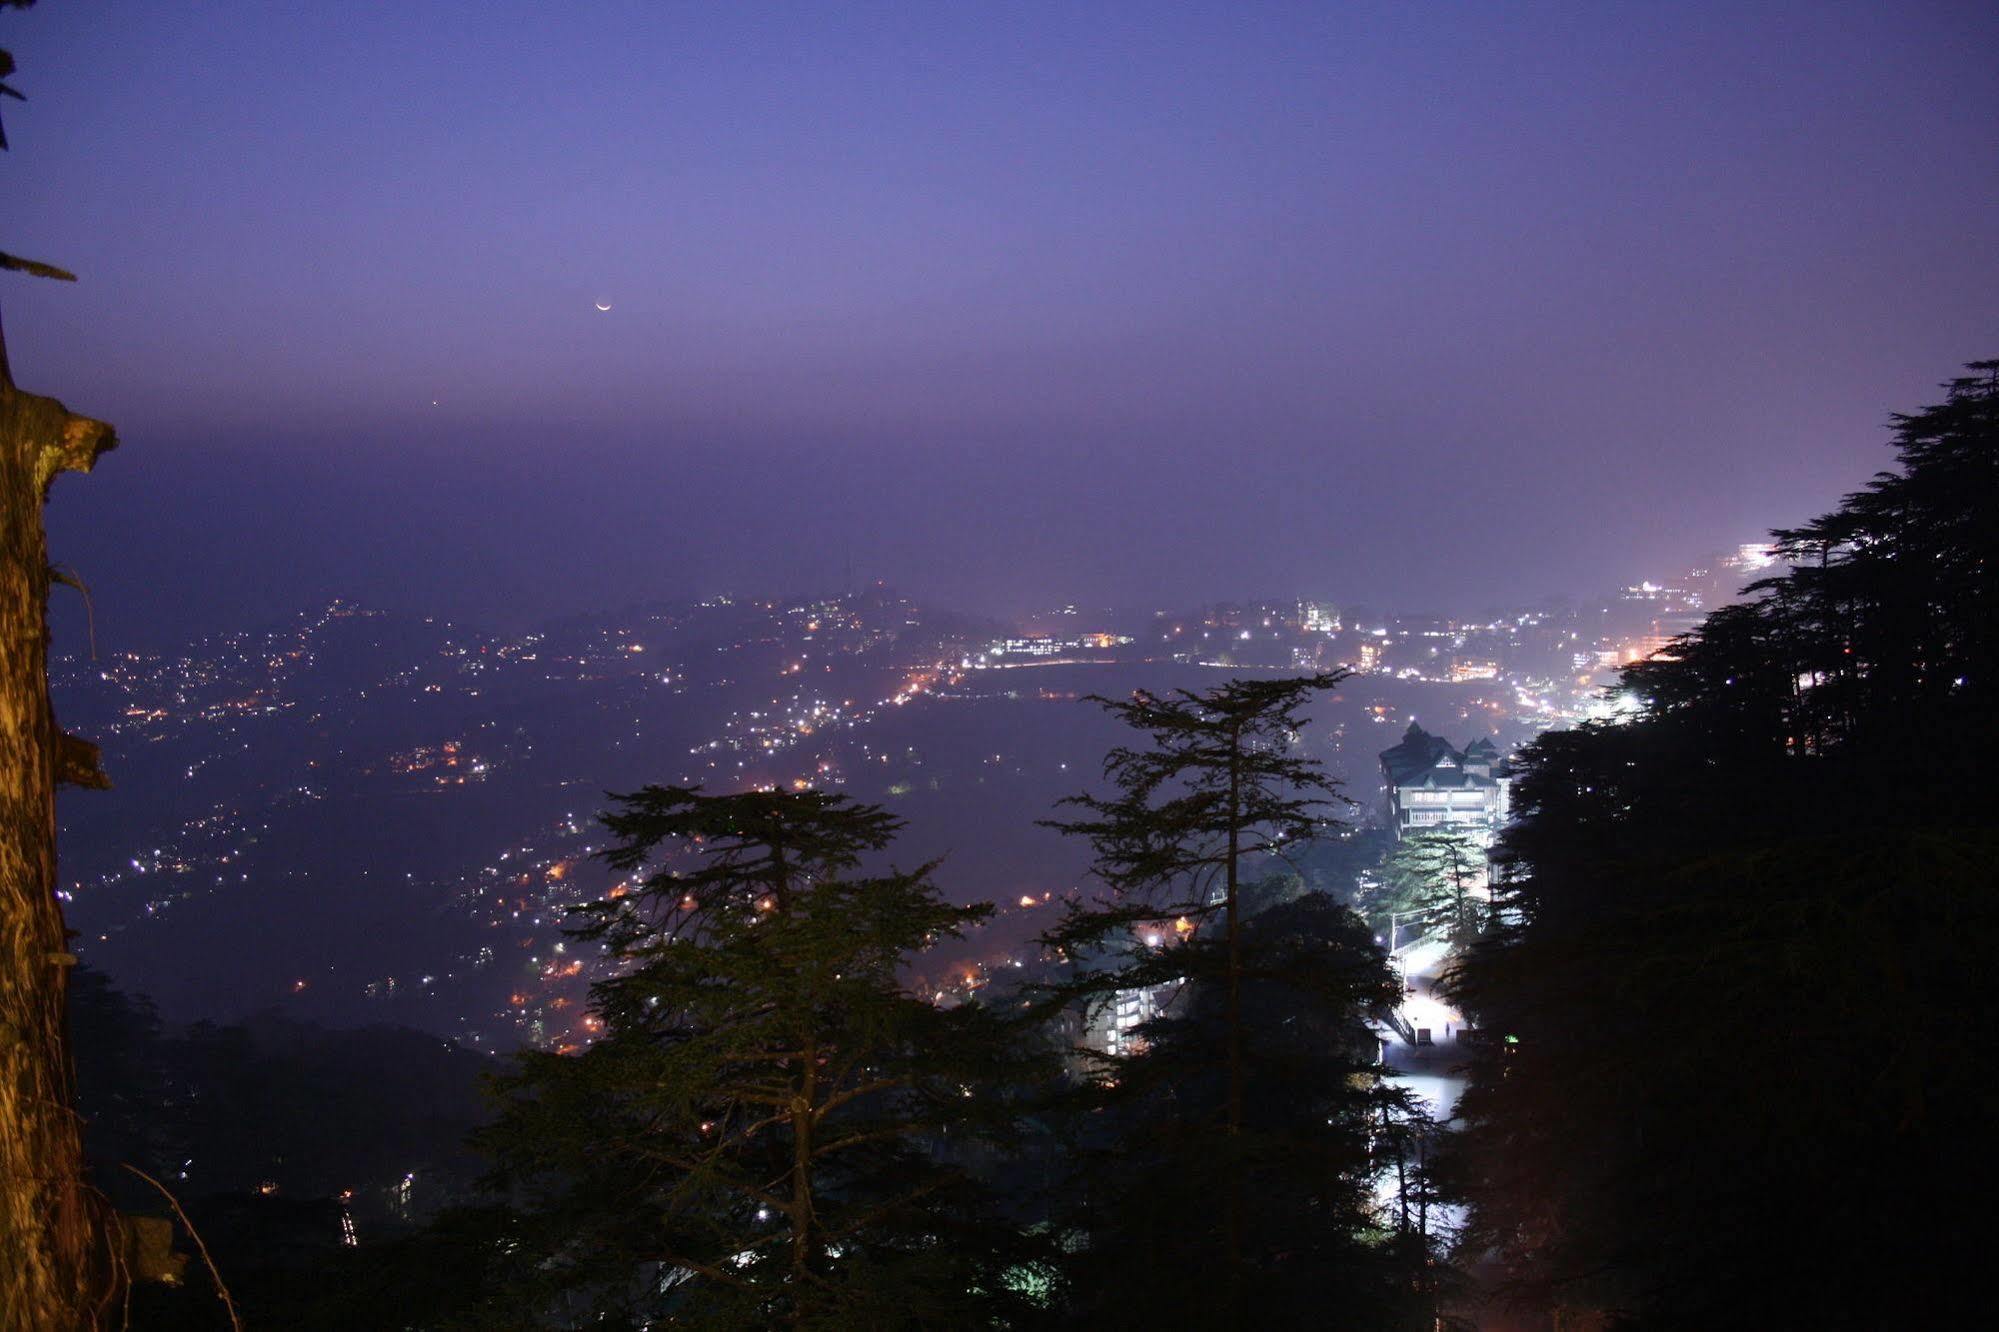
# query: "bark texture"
[[53, 1261]]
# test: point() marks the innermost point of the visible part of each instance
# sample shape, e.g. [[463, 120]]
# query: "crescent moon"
[[603, 305]]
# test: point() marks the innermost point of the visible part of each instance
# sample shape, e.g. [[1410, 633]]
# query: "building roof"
[[1417, 753], [1422, 759]]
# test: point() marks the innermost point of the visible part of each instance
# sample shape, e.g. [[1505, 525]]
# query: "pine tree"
[[1437, 879], [1320, 1125], [754, 1141], [1218, 787]]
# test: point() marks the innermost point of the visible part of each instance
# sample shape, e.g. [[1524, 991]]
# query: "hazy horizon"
[[1436, 310]]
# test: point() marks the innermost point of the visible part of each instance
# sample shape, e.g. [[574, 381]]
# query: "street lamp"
[[1394, 919]]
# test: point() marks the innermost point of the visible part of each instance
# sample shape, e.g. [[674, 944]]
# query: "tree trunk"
[[1235, 1198], [53, 1229]]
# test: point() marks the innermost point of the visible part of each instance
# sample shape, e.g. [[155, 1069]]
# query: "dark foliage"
[[758, 1139], [1153, 1157], [225, 1109], [217, 1113], [1733, 992]]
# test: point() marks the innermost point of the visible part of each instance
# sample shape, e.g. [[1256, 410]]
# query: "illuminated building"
[[1317, 617], [1431, 784], [1114, 1025]]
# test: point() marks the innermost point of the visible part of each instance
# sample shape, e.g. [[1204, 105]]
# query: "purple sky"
[[1428, 305]]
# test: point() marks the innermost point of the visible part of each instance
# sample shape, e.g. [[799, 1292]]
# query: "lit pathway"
[[1430, 1070]]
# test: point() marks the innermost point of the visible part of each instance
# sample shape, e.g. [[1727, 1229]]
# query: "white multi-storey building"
[[1432, 785], [1113, 1026]]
